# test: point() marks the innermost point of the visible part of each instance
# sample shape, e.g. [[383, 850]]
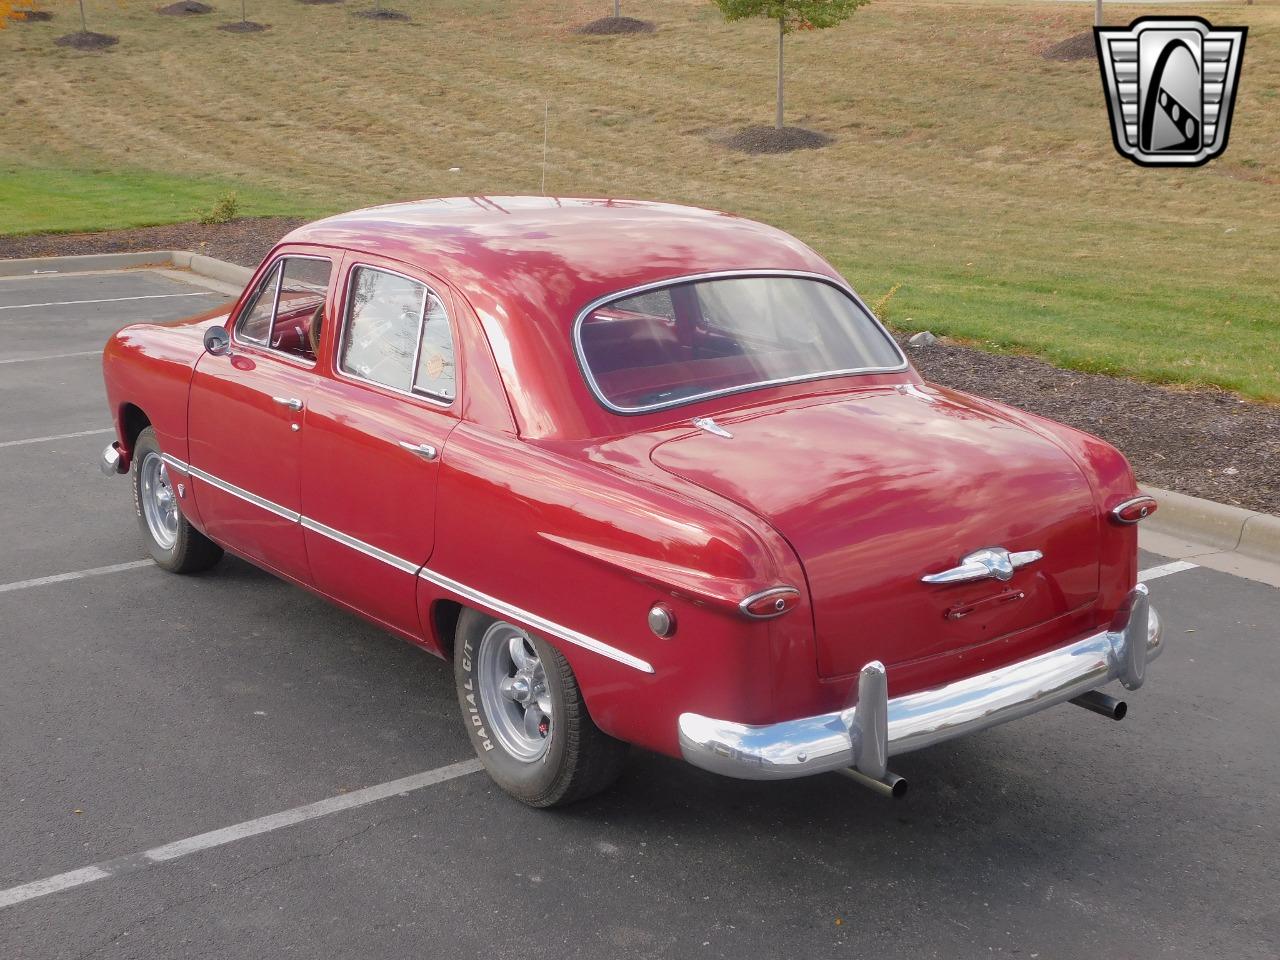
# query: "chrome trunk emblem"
[[994, 562], [711, 427]]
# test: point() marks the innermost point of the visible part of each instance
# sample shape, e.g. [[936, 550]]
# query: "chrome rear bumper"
[[864, 736]]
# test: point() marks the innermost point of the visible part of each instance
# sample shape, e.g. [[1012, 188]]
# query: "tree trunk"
[[617, 8], [781, 35], [244, 13], [1097, 13], [84, 25]]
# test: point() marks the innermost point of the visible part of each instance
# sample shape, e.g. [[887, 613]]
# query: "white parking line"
[[1175, 566], [56, 436], [55, 356], [72, 303], [74, 575], [240, 831]]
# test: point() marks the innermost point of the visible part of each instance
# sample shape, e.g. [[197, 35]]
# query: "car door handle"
[[424, 450], [293, 403]]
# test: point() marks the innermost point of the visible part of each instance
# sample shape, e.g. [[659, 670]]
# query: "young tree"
[[791, 15]]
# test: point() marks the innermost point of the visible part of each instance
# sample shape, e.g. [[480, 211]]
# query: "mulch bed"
[[773, 140], [185, 8], [31, 16], [1078, 47], [1206, 443], [244, 26], [87, 40], [611, 26], [382, 14]]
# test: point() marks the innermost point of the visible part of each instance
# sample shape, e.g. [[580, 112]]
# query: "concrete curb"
[[39, 266], [183, 259], [1232, 529], [209, 267]]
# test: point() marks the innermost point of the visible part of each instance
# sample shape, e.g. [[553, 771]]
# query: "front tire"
[[172, 541], [525, 715]]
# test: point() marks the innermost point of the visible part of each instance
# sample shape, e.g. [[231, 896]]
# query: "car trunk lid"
[[876, 489]]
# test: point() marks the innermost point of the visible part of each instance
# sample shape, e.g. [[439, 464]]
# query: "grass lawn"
[[44, 200], [966, 167]]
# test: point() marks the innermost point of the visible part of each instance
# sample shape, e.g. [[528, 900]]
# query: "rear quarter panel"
[[592, 550]]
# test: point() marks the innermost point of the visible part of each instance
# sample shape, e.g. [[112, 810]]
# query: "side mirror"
[[217, 341]]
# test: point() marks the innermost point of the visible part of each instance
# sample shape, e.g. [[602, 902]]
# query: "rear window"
[[687, 341]]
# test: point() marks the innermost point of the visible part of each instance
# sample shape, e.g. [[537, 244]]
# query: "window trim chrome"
[[293, 358], [415, 394], [567, 634], [840, 285]]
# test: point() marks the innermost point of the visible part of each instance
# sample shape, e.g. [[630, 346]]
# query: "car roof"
[[547, 257], [529, 265]]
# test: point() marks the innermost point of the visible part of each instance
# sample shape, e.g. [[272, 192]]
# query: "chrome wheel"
[[513, 689], [158, 501]]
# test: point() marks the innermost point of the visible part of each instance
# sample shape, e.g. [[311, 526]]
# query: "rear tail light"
[[770, 603], [1131, 511]]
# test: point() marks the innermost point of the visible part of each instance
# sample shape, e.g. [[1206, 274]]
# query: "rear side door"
[[246, 414], [383, 405]]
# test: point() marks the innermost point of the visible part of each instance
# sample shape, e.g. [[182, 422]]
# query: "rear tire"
[[526, 717], [172, 541]]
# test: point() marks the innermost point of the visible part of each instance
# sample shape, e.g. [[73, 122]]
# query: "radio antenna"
[[546, 117]]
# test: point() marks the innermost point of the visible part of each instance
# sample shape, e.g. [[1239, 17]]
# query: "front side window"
[[300, 307], [287, 310], [686, 341], [397, 334], [255, 320]]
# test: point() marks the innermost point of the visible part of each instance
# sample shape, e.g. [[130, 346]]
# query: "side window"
[[397, 335], [255, 320], [435, 357], [300, 307], [287, 310]]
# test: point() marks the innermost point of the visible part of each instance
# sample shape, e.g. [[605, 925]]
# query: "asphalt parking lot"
[[140, 709]]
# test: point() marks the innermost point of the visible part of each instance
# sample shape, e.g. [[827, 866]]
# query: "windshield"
[[686, 341]]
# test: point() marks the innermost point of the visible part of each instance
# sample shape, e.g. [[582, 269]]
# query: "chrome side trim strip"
[[368, 549], [453, 586], [538, 623], [232, 489]]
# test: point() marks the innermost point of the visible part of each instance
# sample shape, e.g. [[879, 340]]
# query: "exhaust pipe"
[[890, 785], [1099, 702]]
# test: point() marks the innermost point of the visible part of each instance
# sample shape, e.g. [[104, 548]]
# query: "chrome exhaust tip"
[[1099, 702], [890, 785]]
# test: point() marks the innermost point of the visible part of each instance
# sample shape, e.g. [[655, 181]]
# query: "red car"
[[648, 475]]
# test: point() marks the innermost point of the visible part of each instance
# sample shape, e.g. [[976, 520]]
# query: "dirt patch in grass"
[[1205, 443], [611, 26], [245, 26], [773, 140], [31, 16], [185, 8], [383, 14], [1078, 47], [87, 40]]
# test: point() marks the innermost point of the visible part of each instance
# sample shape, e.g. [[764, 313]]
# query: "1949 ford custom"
[[648, 475]]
